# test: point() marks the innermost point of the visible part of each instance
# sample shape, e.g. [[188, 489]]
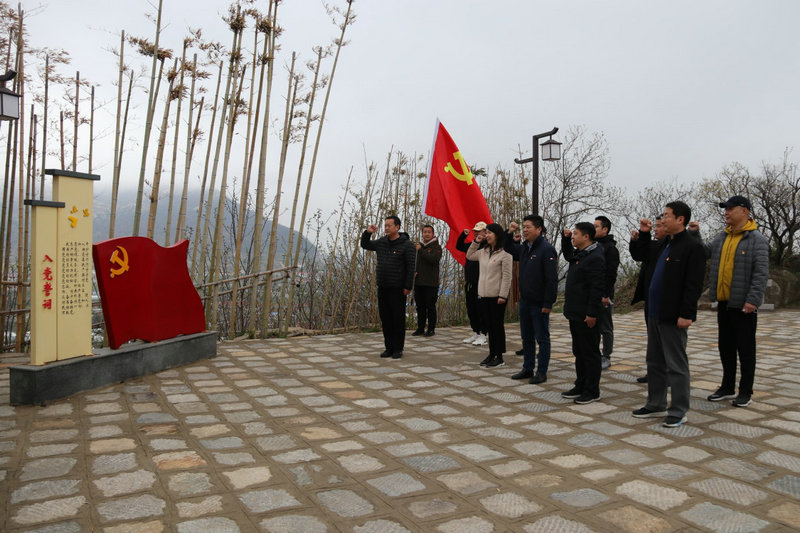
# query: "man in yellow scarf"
[[737, 281]]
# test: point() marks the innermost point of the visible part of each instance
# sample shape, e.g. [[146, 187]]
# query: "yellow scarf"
[[727, 257]]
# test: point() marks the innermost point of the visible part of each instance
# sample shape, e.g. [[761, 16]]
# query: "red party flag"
[[145, 290], [452, 194]]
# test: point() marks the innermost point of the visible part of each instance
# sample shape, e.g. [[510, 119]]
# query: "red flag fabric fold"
[[452, 193]]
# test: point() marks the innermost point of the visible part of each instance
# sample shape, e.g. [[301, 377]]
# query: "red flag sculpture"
[[451, 193], [145, 290]]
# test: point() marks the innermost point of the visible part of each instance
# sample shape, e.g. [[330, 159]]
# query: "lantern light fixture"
[[9, 100], [551, 150]]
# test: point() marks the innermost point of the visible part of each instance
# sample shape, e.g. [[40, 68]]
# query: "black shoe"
[[397, 355], [537, 378], [743, 400], [486, 361], [418, 332], [386, 353], [644, 412], [496, 361], [430, 333], [523, 374], [520, 352], [571, 394], [585, 398], [673, 421], [721, 395], [642, 379]]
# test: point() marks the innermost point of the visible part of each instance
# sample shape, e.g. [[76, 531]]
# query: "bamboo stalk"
[[162, 139], [10, 212], [197, 232], [44, 123], [148, 125], [290, 244], [21, 259], [8, 194], [240, 222], [75, 121], [91, 129], [61, 121], [227, 102], [216, 244], [191, 138], [179, 96], [118, 162], [258, 224], [117, 132], [273, 235]]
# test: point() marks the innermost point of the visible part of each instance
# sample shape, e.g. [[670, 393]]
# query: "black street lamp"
[[9, 100], [551, 151]]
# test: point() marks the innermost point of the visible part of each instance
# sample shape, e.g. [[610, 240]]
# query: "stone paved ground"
[[319, 434]]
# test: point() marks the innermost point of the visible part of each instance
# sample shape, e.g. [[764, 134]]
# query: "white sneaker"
[[480, 340], [470, 339]]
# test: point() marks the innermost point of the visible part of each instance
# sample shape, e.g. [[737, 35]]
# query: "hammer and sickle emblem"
[[122, 262], [465, 175]]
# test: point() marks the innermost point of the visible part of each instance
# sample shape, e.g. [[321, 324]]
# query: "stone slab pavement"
[[318, 434]]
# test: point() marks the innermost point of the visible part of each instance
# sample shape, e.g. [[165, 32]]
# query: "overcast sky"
[[680, 89]]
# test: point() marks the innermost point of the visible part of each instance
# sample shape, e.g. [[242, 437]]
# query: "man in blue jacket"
[[737, 281], [673, 290], [394, 274], [538, 286]]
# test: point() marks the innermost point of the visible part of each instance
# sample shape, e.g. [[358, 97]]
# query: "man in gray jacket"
[[737, 281]]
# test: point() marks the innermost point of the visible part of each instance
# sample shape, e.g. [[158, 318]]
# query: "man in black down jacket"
[[605, 322], [394, 274], [583, 294], [673, 290]]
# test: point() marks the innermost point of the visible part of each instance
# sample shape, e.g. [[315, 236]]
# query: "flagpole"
[[430, 167]]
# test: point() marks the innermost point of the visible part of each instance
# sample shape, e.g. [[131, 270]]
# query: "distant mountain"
[[124, 223]]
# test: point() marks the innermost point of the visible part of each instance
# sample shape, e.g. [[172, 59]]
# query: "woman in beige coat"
[[494, 286]]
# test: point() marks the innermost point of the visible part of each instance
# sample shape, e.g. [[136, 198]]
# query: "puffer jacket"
[[583, 290], [611, 255], [750, 268], [395, 260]]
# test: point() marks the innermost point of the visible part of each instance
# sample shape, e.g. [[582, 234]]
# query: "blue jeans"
[[534, 326]]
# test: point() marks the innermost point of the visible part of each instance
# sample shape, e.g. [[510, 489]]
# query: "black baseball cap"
[[737, 201]]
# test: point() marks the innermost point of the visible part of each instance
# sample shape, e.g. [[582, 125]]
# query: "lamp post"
[[9, 100], [551, 151]]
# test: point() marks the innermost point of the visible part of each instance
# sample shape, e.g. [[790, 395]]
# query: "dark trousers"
[[426, 297], [534, 327], [495, 321], [737, 335], [605, 323], [477, 318], [392, 309], [586, 349]]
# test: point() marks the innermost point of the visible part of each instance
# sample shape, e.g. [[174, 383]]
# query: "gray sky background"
[[680, 89]]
